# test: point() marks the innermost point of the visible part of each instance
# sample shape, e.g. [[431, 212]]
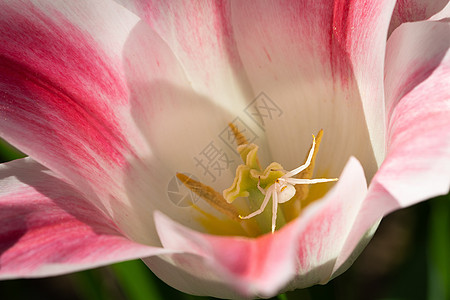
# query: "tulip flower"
[[111, 100]]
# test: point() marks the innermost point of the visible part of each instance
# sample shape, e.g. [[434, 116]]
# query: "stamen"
[[240, 138], [303, 190], [293, 208], [208, 194]]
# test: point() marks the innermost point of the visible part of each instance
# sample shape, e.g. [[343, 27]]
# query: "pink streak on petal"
[[404, 72], [360, 28], [48, 228], [417, 166], [414, 10], [64, 71], [60, 96], [324, 56]]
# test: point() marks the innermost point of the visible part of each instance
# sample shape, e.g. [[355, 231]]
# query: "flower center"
[[258, 187]]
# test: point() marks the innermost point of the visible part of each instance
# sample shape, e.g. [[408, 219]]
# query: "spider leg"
[[274, 209], [309, 181], [305, 165], [263, 205], [259, 187]]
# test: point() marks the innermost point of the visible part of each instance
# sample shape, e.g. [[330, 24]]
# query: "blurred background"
[[408, 258]]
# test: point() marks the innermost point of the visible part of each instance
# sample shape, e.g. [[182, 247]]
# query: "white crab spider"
[[283, 189]]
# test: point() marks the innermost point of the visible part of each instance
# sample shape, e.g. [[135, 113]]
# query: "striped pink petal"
[[417, 166], [322, 62], [64, 98], [48, 228]]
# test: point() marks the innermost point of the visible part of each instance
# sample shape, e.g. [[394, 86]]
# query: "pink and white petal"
[[443, 15], [300, 254], [363, 33], [64, 98], [244, 267], [163, 103], [414, 10], [377, 204], [201, 36], [417, 166], [178, 125], [105, 21], [48, 228], [322, 64]]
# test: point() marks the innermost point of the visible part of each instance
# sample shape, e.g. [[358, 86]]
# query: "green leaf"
[[282, 297], [90, 285], [439, 249], [136, 280], [8, 152]]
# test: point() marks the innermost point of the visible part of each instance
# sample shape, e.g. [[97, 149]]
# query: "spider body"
[[282, 190]]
